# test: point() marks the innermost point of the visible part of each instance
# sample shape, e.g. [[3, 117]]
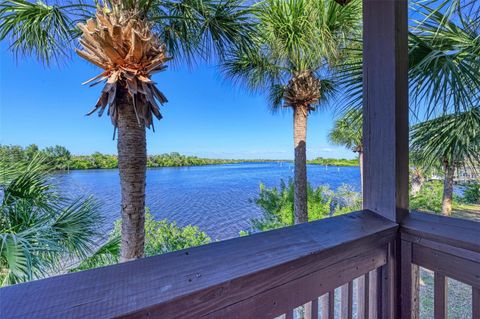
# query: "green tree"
[[38, 228], [296, 45], [277, 205], [161, 237], [451, 140], [129, 41], [57, 156], [347, 131]]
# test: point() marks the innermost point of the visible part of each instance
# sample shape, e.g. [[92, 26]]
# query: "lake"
[[217, 198]]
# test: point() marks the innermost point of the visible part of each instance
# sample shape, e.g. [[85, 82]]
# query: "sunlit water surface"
[[216, 198]]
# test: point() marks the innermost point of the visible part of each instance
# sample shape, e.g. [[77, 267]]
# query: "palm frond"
[[45, 31], [453, 138], [201, 29], [108, 253], [444, 59]]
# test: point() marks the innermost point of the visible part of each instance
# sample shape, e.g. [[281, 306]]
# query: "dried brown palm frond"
[[129, 53], [302, 89]]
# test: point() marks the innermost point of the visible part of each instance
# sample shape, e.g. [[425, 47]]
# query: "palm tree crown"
[[296, 45], [347, 131]]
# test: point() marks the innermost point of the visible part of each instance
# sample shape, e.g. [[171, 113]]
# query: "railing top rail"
[[460, 233], [200, 279]]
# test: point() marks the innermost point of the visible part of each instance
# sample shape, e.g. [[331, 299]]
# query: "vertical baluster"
[[363, 296], [328, 305], [307, 310], [311, 309], [324, 302], [475, 302], [289, 314], [440, 296], [346, 301], [415, 292], [375, 291]]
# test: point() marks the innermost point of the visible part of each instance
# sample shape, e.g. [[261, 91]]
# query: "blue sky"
[[205, 116]]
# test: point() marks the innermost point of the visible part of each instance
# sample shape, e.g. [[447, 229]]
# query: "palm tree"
[[347, 131], [39, 229], [296, 45], [129, 41], [452, 140], [444, 60]]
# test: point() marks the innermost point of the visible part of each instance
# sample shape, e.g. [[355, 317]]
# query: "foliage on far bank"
[[277, 205], [334, 161], [59, 158]]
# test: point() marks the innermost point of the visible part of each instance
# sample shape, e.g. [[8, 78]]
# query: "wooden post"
[[385, 129]]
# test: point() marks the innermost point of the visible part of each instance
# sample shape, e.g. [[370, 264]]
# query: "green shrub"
[[277, 205], [471, 193], [429, 198], [161, 237]]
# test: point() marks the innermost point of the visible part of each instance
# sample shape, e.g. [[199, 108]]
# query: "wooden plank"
[[406, 284], [438, 229], [324, 299], [385, 129], [385, 108], [363, 296], [314, 309], [347, 301], [331, 304], [446, 248], [475, 302], [375, 289], [415, 292], [193, 282], [275, 301], [440, 296], [463, 270]]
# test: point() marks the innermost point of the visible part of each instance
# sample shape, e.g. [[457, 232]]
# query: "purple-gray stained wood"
[[198, 280]]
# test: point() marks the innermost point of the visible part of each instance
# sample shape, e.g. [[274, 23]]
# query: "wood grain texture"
[[198, 281], [407, 289], [385, 111], [346, 301], [475, 302], [363, 289], [314, 309], [455, 267], [440, 296], [278, 300], [430, 228]]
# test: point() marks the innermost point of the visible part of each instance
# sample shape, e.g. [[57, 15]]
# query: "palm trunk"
[[300, 177], [448, 189], [132, 163]]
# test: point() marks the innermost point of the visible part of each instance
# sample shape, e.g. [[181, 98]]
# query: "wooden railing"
[[447, 246], [260, 276], [292, 272]]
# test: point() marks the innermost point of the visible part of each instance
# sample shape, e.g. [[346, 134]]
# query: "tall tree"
[[444, 62], [452, 140], [129, 41], [347, 131], [297, 44]]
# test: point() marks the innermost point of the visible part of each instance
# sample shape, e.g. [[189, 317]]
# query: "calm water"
[[216, 198]]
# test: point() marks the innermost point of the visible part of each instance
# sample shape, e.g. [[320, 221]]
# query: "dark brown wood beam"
[[385, 130], [385, 93]]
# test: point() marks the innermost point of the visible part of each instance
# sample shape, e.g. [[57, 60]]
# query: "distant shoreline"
[[210, 164], [60, 158]]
